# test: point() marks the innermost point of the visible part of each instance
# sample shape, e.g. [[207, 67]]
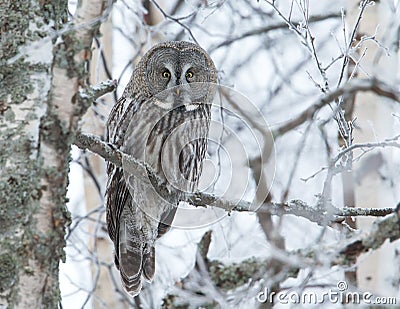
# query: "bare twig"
[[266, 29], [176, 20], [393, 142], [374, 85], [351, 40]]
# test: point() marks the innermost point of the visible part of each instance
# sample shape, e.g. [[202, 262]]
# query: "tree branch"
[[346, 253], [374, 85], [294, 207], [276, 26], [92, 93], [382, 229]]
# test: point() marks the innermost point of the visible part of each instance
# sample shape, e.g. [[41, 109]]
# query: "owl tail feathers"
[[130, 273], [130, 262], [149, 264]]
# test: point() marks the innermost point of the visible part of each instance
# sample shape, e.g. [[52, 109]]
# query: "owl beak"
[[178, 91]]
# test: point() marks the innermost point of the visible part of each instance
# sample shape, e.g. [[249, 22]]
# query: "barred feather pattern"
[[150, 125], [136, 214]]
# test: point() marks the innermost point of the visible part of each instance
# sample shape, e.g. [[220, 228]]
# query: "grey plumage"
[[162, 119]]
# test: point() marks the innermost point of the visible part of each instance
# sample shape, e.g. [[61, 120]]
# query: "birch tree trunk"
[[39, 114], [375, 122]]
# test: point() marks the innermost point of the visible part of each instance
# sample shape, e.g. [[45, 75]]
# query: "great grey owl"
[[162, 119]]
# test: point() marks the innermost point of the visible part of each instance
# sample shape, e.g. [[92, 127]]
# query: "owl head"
[[175, 73]]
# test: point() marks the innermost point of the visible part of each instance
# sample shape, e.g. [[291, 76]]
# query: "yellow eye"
[[189, 74], [166, 74]]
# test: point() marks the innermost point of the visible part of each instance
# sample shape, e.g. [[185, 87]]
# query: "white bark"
[[41, 127], [375, 122]]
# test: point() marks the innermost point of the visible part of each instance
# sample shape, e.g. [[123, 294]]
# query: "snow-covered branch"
[[294, 207], [247, 272]]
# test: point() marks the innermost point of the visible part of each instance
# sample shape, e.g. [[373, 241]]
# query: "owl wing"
[[165, 222], [117, 192], [121, 220]]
